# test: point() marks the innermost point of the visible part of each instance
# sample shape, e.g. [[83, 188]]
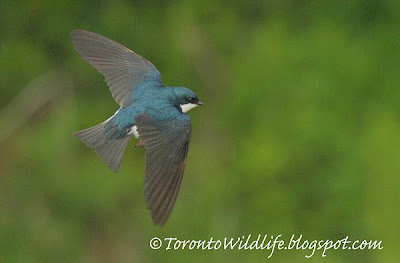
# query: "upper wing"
[[122, 68], [166, 146]]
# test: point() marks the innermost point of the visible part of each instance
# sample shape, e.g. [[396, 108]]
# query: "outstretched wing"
[[122, 68], [166, 146]]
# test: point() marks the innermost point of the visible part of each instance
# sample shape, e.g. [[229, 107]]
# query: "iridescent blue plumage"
[[149, 111]]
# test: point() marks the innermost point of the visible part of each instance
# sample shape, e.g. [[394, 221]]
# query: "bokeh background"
[[300, 132]]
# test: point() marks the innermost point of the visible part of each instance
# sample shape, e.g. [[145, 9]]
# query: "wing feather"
[[123, 69], [166, 146]]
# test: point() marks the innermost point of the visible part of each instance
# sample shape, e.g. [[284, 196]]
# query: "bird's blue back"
[[149, 98]]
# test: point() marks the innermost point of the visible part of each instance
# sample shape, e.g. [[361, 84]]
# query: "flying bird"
[[149, 111]]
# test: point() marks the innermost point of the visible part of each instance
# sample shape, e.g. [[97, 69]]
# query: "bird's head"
[[186, 98]]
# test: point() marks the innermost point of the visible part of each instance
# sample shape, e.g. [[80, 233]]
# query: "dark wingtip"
[[74, 32], [158, 223]]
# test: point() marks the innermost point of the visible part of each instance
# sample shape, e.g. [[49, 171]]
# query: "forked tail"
[[109, 150]]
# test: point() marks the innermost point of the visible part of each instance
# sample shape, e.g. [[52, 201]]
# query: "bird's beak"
[[200, 103]]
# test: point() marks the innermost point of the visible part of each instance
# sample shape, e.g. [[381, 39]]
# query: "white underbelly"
[[133, 131]]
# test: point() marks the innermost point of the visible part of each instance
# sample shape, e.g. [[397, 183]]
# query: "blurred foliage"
[[300, 133]]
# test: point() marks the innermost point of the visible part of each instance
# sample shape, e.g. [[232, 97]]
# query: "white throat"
[[187, 107]]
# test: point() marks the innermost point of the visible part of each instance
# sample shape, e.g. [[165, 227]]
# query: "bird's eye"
[[192, 100]]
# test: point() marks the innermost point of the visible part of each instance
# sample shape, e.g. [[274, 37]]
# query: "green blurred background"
[[300, 132]]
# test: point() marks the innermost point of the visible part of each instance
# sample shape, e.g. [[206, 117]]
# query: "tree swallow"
[[148, 110]]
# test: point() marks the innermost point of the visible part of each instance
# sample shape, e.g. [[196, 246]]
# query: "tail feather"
[[109, 150]]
